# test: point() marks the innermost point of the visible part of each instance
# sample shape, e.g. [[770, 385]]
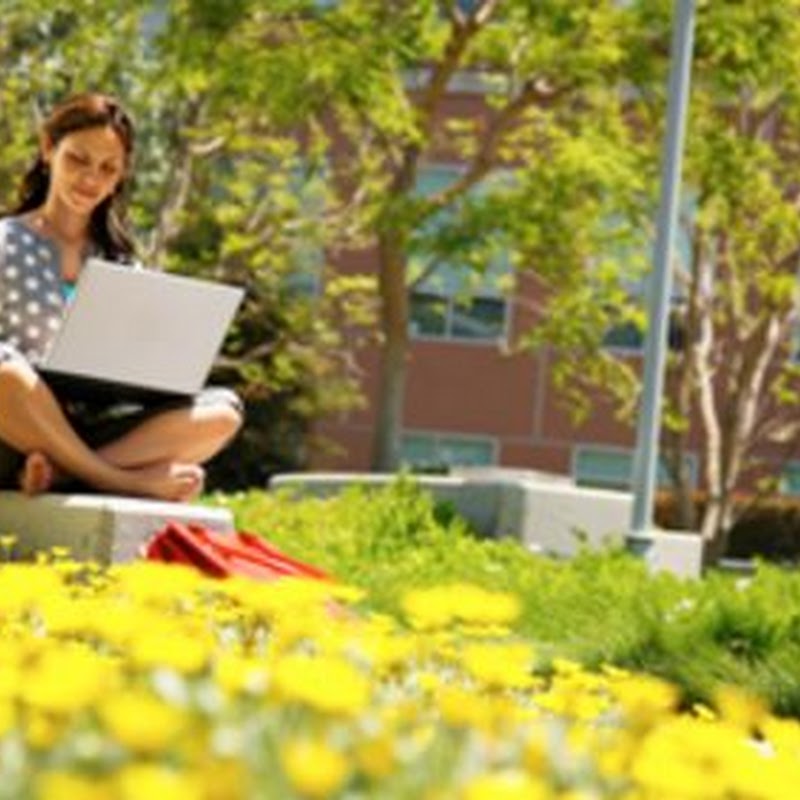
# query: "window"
[[455, 301], [612, 468], [790, 478], [629, 335], [433, 315], [307, 253], [426, 451]]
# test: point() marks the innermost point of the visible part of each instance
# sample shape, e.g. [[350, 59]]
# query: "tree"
[[224, 189], [741, 282], [732, 372], [375, 77]]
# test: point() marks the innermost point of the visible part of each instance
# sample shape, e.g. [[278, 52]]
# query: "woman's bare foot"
[[176, 482], [37, 474]]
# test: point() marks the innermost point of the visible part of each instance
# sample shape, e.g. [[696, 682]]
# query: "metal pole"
[[646, 457]]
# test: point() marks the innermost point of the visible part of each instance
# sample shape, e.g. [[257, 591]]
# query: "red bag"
[[222, 555]]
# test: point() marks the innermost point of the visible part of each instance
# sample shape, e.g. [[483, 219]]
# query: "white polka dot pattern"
[[31, 306]]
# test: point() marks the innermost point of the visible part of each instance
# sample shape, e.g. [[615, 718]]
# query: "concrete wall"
[[547, 513], [102, 528]]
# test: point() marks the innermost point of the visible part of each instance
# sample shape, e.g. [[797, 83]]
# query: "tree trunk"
[[716, 525], [684, 515], [683, 491], [394, 352]]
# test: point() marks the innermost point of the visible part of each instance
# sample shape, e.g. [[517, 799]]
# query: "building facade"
[[471, 399]]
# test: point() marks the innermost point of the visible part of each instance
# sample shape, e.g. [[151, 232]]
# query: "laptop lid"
[[142, 328]]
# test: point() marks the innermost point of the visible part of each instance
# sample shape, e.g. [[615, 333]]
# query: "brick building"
[[470, 401]]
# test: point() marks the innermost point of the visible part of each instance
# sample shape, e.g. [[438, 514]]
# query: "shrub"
[[768, 528], [149, 680], [600, 607]]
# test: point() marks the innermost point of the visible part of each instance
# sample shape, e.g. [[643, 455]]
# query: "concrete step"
[[102, 528], [549, 514]]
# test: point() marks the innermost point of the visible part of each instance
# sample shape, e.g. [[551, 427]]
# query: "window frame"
[[438, 437], [452, 300], [662, 478]]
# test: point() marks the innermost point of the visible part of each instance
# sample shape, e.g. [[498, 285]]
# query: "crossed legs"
[[160, 458]]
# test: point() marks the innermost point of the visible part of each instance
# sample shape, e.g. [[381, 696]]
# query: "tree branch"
[[176, 192], [534, 91], [700, 353], [462, 29]]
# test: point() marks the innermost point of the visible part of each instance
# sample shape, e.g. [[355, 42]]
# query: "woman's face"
[[85, 168]]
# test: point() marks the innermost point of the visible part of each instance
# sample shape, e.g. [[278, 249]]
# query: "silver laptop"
[[140, 329]]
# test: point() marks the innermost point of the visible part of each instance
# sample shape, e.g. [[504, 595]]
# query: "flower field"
[[150, 681]]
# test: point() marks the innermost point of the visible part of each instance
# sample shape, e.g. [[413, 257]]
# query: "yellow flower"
[[68, 679], [241, 674], [59, 553], [535, 751], [502, 665], [157, 584], [783, 735], [61, 614], [566, 666], [313, 768], [224, 779], [153, 782], [385, 651], [325, 683], [440, 606], [170, 645], [289, 598], [428, 681], [8, 717], [683, 757], [141, 722], [645, 698], [702, 711], [740, 708], [568, 700], [376, 757], [463, 708], [7, 543], [42, 730], [10, 674], [23, 585], [616, 750], [118, 624], [62, 785], [507, 784]]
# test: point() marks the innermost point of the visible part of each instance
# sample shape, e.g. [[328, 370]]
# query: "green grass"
[[600, 607]]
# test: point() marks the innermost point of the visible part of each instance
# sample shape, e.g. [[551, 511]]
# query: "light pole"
[[645, 465]]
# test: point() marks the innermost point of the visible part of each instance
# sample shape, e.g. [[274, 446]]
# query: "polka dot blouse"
[[32, 293]]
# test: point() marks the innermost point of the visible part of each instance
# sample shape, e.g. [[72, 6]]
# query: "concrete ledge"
[[103, 528], [548, 513], [480, 502], [678, 552]]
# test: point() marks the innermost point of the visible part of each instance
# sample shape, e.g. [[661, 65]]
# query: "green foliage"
[[223, 189], [766, 527], [274, 134], [600, 607]]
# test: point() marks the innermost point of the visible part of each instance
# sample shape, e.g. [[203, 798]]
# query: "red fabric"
[[222, 555]]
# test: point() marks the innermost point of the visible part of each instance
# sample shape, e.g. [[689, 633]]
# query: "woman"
[[73, 204]]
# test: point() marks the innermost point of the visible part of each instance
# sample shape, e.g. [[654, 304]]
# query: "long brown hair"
[[108, 226]]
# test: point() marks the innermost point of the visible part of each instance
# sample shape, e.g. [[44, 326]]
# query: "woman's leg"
[[33, 422], [186, 435]]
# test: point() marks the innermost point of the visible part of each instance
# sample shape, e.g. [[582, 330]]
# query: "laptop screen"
[[142, 328]]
